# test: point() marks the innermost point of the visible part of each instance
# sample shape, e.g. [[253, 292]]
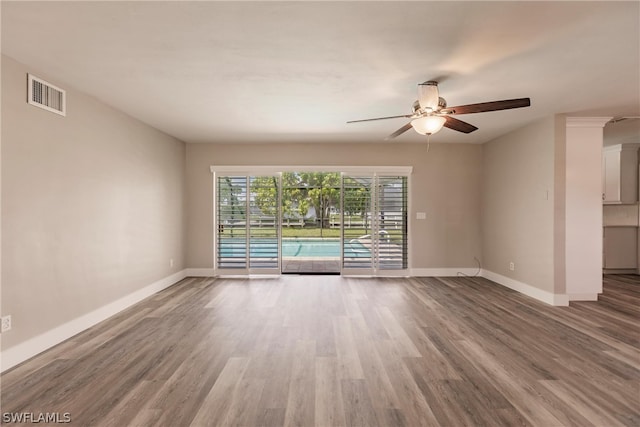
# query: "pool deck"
[[310, 265]]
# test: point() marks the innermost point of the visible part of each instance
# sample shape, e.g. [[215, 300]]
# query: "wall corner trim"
[[523, 288], [36, 345]]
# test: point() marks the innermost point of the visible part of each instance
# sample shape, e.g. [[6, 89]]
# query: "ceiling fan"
[[430, 112]]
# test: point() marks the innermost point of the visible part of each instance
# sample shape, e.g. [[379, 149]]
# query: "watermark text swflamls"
[[36, 417]]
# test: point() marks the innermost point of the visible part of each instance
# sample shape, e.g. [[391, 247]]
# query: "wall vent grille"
[[47, 96]]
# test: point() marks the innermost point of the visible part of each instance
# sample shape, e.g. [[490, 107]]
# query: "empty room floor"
[[332, 351]]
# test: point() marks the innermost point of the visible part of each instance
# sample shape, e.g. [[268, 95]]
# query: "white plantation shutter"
[[246, 238]]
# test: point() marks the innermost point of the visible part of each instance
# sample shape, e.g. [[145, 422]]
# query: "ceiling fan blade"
[[482, 107], [380, 118], [459, 125], [400, 131]]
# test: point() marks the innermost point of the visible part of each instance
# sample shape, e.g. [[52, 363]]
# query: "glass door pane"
[[392, 222], [263, 225], [358, 227], [231, 219]]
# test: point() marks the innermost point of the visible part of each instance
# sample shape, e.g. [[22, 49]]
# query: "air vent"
[[47, 96]]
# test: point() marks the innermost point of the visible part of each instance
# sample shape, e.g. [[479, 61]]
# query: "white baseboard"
[[619, 271], [523, 288], [200, 272], [27, 349], [443, 272], [584, 297]]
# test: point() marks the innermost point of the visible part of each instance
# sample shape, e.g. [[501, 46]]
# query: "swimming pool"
[[308, 248]]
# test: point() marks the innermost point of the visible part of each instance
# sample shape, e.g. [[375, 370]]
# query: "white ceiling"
[[297, 71]]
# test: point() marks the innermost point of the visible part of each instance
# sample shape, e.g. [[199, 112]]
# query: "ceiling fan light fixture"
[[428, 125]]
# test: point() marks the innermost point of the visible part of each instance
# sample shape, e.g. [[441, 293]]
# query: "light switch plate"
[[421, 215]]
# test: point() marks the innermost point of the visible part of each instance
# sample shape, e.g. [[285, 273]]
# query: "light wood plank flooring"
[[333, 351]]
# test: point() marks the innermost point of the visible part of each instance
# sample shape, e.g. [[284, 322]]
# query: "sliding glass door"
[[247, 224], [365, 215], [374, 225]]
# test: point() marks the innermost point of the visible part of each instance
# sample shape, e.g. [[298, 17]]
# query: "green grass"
[[331, 232], [309, 232]]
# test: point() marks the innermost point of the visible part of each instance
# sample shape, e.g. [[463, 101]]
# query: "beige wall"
[[583, 207], [518, 204], [560, 208], [92, 207], [445, 184]]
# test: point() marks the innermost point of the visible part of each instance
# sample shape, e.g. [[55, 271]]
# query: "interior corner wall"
[[583, 207], [518, 208], [445, 184], [92, 208], [560, 206]]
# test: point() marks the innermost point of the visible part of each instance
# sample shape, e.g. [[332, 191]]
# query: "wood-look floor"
[[333, 351]]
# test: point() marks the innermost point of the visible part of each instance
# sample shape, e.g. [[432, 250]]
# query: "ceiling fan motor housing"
[[428, 95]]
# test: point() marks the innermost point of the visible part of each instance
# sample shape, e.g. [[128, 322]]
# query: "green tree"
[[265, 192], [294, 196], [357, 200], [264, 189], [300, 192], [230, 192], [323, 193]]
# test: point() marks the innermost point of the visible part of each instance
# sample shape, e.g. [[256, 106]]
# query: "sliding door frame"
[[379, 171]]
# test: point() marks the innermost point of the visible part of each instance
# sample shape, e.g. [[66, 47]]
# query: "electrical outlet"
[[6, 323], [171, 262], [512, 266]]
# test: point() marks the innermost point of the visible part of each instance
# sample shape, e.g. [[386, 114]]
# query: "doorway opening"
[[310, 222]]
